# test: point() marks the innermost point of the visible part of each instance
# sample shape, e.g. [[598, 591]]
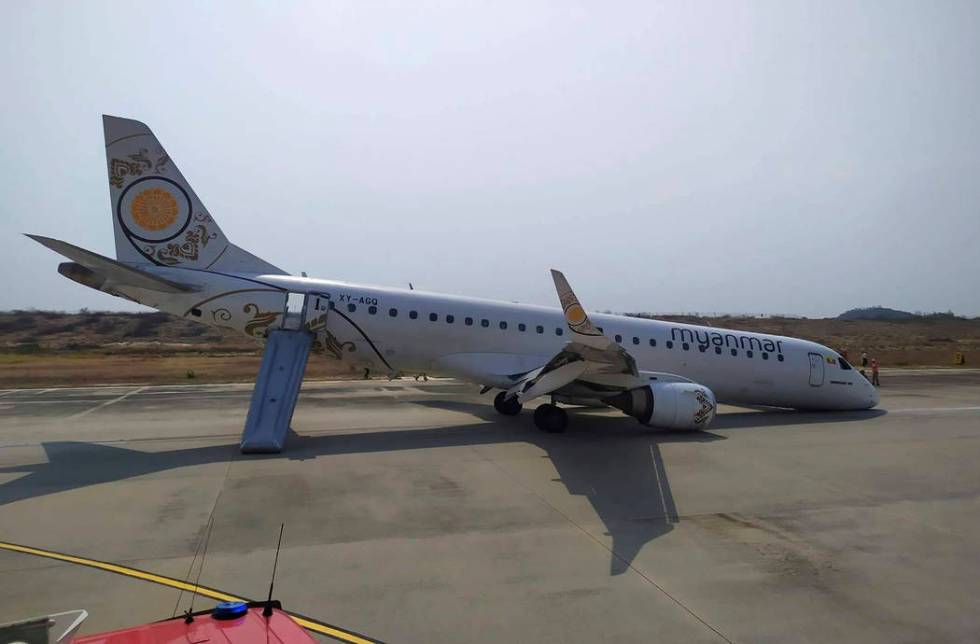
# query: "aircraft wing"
[[110, 269], [589, 354]]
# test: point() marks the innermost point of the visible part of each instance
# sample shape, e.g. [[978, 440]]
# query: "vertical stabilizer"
[[156, 214]]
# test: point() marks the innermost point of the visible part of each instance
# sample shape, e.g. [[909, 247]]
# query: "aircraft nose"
[[874, 397], [866, 394]]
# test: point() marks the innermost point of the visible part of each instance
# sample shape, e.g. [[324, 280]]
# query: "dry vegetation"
[[39, 348], [42, 348]]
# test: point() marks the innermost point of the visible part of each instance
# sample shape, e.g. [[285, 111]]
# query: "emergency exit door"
[[816, 369]]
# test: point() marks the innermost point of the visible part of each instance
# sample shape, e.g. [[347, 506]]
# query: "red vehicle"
[[230, 622]]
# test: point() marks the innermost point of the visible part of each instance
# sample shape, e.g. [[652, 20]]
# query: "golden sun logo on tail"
[[575, 314], [154, 209]]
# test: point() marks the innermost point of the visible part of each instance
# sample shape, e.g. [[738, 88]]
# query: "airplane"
[[172, 256]]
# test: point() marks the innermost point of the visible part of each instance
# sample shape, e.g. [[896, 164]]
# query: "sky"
[[717, 157]]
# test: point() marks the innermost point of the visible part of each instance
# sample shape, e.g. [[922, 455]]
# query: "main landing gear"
[[507, 407], [550, 418], [547, 417]]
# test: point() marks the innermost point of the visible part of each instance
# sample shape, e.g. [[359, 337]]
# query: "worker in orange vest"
[[874, 372]]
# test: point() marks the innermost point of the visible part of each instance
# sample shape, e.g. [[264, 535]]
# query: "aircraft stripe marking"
[[306, 622], [365, 336], [123, 138], [241, 290], [215, 261]]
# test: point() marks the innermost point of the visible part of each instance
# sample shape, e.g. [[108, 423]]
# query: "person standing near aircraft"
[[874, 372], [864, 363]]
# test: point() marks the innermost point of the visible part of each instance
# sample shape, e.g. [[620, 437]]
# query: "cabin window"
[[559, 331], [433, 317], [748, 354], [393, 313], [450, 319], [670, 344], [522, 327], [539, 329], [484, 323], [685, 346], [844, 364], [468, 321], [779, 357], [636, 340], [718, 350], [619, 338], [413, 314], [196, 312], [503, 325], [765, 356], [351, 308], [372, 309], [653, 342], [734, 352]]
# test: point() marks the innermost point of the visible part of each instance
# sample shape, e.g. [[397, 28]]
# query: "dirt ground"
[[61, 369]]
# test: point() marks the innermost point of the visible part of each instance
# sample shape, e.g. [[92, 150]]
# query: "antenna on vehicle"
[[190, 569], [267, 611], [189, 615]]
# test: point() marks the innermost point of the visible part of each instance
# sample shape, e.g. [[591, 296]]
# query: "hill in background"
[[27, 331], [885, 313], [876, 313]]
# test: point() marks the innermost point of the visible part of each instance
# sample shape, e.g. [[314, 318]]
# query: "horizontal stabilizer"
[[112, 270]]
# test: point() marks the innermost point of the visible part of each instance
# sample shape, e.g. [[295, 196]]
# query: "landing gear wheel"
[[507, 407], [550, 418]]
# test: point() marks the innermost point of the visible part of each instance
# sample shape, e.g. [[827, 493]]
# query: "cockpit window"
[[843, 364]]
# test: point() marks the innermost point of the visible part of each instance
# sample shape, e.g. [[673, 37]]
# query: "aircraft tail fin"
[[157, 216]]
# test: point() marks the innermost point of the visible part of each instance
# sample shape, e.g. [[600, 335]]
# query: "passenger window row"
[[450, 319], [502, 325]]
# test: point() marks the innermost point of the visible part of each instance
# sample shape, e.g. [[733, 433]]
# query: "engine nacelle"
[[672, 405]]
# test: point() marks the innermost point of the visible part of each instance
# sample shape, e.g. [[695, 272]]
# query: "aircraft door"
[[816, 369]]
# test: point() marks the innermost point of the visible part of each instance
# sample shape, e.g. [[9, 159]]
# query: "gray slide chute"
[[276, 390]]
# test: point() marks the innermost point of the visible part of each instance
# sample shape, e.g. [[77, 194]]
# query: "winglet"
[[575, 316]]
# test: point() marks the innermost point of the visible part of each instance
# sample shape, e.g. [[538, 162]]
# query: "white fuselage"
[[171, 255], [491, 343]]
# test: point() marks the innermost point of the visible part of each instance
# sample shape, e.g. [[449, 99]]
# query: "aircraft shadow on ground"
[[611, 460]]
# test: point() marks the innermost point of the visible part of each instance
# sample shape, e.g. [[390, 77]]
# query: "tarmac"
[[414, 513]]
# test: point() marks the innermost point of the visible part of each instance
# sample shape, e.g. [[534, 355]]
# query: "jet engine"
[[671, 405]]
